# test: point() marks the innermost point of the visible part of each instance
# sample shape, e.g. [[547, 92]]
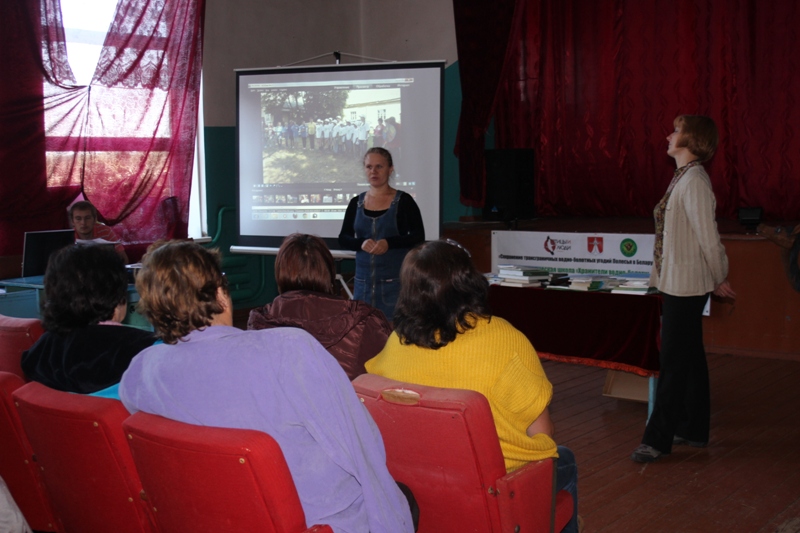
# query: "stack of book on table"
[[558, 279], [592, 283], [633, 283], [585, 282], [521, 276]]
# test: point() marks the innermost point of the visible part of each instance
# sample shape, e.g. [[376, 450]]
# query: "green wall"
[[452, 208], [252, 277]]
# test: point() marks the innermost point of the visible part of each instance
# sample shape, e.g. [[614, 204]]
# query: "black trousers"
[[683, 403]]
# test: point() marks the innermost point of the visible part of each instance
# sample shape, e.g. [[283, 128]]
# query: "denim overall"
[[378, 276]]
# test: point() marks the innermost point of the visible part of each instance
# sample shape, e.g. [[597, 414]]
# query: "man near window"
[[83, 216]]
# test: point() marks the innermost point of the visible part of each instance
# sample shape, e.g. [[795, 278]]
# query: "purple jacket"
[[282, 382], [352, 331]]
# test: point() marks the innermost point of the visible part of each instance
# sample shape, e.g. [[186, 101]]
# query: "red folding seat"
[[208, 479], [86, 464], [16, 336], [17, 466], [442, 444]]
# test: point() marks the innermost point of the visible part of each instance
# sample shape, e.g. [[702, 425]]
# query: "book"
[[633, 276], [559, 279], [539, 277], [590, 286], [512, 283], [523, 279], [513, 270], [631, 290], [633, 283], [593, 283]]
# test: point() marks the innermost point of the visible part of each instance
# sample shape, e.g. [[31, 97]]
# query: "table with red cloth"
[[613, 331]]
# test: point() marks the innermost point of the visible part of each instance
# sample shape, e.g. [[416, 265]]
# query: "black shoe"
[[679, 441], [646, 454]]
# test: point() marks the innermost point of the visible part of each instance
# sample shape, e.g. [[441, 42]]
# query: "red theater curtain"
[[594, 86], [126, 140], [483, 32], [26, 203]]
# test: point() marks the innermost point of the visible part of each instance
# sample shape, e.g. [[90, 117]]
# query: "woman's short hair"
[[700, 135], [304, 263], [83, 285], [381, 152], [441, 294], [178, 286]]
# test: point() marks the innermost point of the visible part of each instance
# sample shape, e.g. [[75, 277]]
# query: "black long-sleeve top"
[[409, 225]]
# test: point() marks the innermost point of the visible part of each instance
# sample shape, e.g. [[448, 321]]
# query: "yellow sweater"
[[495, 359]]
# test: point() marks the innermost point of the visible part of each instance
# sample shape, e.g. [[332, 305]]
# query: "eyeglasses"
[[451, 242]]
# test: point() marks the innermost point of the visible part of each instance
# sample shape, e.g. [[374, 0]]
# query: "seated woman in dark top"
[[352, 331], [84, 348]]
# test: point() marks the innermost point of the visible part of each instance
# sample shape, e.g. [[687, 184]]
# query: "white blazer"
[[694, 260]]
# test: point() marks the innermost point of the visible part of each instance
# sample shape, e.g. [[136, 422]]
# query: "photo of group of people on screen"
[[333, 134]]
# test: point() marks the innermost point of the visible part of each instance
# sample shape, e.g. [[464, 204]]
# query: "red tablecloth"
[[615, 331]]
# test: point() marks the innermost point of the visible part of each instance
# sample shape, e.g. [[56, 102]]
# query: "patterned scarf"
[[660, 213]]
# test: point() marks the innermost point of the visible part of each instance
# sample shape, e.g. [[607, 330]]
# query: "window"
[[86, 23], [118, 138]]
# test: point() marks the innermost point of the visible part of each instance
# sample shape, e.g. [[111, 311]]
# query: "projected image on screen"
[[302, 138], [324, 129]]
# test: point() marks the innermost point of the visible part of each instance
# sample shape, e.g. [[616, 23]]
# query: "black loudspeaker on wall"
[[510, 184]]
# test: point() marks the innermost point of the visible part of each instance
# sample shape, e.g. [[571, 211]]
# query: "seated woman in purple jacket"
[[352, 331], [280, 381]]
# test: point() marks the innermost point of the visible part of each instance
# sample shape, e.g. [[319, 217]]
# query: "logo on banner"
[[594, 245], [628, 247], [550, 246]]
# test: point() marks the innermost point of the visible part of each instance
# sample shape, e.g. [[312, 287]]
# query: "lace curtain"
[[126, 141], [593, 88]]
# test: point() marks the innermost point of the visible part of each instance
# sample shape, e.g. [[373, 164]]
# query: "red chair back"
[[442, 443], [17, 467], [16, 336], [209, 479], [86, 463]]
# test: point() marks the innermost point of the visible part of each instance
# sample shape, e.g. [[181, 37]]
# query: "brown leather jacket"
[[352, 331]]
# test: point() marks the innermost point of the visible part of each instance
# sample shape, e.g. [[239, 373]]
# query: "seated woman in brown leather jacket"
[[352, 331]]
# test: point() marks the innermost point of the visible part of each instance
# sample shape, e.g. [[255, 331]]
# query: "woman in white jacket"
[[689, 263]]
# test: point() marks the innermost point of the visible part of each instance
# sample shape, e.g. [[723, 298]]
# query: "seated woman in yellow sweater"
[[445, 336]]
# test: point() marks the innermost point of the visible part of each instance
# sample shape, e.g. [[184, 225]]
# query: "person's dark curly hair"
[[441, 295], [83, 285], [177, 288]]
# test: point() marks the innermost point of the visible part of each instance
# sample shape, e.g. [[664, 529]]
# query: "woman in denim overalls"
[[381, 225]]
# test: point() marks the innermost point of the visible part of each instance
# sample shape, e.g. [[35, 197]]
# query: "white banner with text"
[[574, 253]]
